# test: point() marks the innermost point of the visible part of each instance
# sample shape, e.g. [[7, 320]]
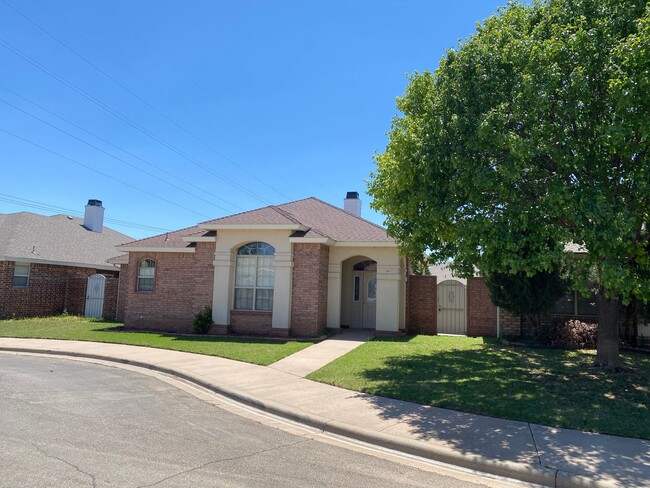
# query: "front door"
[[452, 313], [364, 299], [95, 296]]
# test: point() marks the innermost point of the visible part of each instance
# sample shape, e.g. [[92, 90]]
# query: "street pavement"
[[528, 452]]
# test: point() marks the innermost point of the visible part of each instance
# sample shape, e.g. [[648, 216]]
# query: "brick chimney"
[[94, 216], [352, 204]]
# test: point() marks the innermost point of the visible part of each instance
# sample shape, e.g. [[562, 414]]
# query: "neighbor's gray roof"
[[59, 238]]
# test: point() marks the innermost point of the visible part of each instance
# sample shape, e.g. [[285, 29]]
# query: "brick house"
[[53, 264], [295, 269]]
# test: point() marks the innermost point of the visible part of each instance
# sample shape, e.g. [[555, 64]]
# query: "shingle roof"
[[169, 239], [58, 238], [323, 220]]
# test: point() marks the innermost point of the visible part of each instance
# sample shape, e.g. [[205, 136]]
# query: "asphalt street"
[[66, 423]]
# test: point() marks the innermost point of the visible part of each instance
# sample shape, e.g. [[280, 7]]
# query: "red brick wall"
[[509, 323], [121, 296], [51, 290], [481, 312], [309, 293], [422, 306], [252, 322], [182, 287]]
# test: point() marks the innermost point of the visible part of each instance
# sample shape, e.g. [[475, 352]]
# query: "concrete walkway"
[[315, 357], [534, 453]]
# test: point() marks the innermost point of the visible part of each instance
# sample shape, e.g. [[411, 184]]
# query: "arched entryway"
[[359, 293]]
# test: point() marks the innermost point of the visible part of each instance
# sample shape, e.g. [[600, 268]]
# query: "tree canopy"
[[530, 135]]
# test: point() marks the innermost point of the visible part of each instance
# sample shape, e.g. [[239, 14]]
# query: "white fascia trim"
[[312, 240], [218, 227], [105, 266], [155, 249], [199, 239], [365, 244], [118, 261]]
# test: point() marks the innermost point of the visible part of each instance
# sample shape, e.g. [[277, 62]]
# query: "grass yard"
[[545, 386], [257, 351]]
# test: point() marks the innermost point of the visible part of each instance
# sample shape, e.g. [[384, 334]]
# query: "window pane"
[[265, 271], [564, 306], [243, 299], [245, 274], [264, 299], [21, 269], [256, 249], [357, 288], [145, 284], [372, 289], [20, 281]]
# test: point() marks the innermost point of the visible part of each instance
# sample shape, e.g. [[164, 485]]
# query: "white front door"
[[95, 296], [364, 300], [452, 314]]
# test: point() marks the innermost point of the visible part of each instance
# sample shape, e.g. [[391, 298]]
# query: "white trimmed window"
[[146, 275], [21, 275], [254, 277]]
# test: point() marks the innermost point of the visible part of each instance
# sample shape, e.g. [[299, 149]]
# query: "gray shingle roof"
[[59, 238]]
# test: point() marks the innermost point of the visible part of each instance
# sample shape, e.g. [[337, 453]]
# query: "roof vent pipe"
[[94, 216], [352, 204]]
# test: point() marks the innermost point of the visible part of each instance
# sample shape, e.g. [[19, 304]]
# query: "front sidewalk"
[[529, 452]]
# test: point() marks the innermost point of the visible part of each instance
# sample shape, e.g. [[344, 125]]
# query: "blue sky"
[[180, 112]]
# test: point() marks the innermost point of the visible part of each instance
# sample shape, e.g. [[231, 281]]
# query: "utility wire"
[[191, 79], [135, 156], [53, 208], [124, 118], [112, 155], [83, 165], [169, 99]]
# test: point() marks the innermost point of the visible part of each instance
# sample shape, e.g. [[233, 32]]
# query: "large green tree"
[[538, 126]]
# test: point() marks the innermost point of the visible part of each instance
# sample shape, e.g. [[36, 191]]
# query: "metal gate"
[[95, 296], [452, 311]]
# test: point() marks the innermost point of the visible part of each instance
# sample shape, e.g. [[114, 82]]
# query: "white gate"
[[95, 296], [452, 312]]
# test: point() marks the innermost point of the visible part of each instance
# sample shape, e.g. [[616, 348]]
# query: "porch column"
[[222, 299], [334, 296], [283, 263], [388, 297]]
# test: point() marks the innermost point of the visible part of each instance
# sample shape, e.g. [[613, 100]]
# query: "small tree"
[[526, 295], [203, 320]]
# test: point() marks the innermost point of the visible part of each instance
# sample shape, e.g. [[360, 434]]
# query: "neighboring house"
[[295, 269], [49, 265]]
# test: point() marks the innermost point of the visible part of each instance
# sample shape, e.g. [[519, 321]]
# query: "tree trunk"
[[607, 356]]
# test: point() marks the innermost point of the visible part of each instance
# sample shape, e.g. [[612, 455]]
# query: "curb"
[[538, 475]]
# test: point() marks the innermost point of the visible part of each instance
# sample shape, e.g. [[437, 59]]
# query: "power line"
[[124, 118], [191, 79], [219, 153], [112, 155], [53, 208], [105, 141], [83, 165]]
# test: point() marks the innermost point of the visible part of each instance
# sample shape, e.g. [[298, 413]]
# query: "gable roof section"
[[319, 219], [168, 241], [56, 239]]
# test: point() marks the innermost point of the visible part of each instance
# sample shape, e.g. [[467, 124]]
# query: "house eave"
[[105, 266], [199, 239], [218, 227], [155, 249], [312, 240], [365, 244]]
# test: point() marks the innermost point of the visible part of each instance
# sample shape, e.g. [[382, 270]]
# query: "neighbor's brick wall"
[[309, 293], [481, 312], [51, 290], [182, 287], [422, 305], [123, 288], [510, 323]]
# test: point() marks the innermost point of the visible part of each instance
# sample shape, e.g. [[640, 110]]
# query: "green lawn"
[[545, 386], [257, 351]]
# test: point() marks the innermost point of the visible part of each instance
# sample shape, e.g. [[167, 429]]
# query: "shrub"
[[203, 321], [573, 334]]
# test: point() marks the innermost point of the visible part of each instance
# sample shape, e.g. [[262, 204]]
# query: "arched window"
[[254, 277], [146, 274]]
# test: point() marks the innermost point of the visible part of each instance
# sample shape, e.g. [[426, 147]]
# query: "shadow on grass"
[[548, 387]]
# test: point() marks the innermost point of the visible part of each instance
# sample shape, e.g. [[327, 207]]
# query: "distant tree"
[[537, 125]]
